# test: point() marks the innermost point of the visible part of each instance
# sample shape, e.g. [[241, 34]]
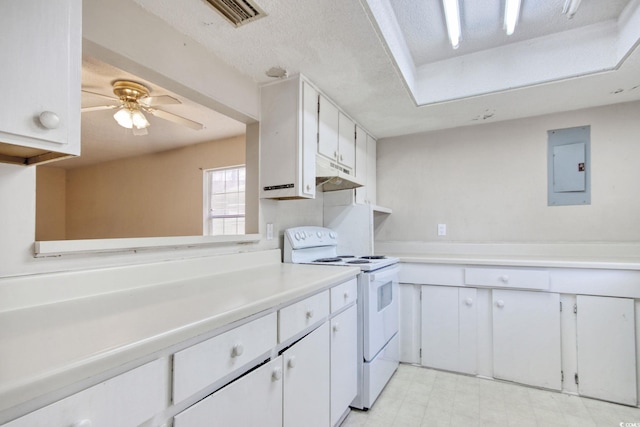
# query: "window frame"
[[207, 229]]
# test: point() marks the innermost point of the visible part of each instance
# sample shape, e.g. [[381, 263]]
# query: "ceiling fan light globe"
[[124, 117], [139, 120]]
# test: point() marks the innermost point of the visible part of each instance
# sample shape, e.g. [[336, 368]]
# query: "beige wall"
[[488, 182], [50, 203], [146, 196]]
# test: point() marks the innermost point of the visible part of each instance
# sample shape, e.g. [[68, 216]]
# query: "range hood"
[[332, 177]]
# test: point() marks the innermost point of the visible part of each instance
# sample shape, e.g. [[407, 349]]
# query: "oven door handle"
[[384, 273]]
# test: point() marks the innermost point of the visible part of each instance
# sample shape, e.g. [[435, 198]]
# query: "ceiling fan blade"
[[100, 95], [152, 101], [140, 132], [175, 118], [98, 108]]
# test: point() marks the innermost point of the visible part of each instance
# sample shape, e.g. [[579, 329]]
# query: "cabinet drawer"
[[299, 316], [253, 400], [126, 400], [344, 294], [203, 364], [506, 278]]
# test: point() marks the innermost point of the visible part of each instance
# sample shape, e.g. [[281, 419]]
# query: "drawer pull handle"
[[504, 278], [468, 302], [82, 423], [346, 294], [277, 374], [237, 350], [309, 313], [336, 327], [50, 120], [292, 362], [500, 303]]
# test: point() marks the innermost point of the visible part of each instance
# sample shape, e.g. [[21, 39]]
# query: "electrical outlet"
[[442, 229], [269, 231]]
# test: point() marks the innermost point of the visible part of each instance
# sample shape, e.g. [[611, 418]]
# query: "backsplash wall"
[[488, 183]]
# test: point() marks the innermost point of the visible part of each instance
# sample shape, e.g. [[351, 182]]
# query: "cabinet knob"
[[335, 154], [336, 327], [308, 187], [49, 119], [276, 375], [292, 362], [468, 301], [340, 157], [346, 294], [504, 278], [237, 350], [309, 313], [500, 303], [82, 423]]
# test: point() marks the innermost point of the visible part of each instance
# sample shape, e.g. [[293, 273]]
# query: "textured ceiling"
[[338, 45]]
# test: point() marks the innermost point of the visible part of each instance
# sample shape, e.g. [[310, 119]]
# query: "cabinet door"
[[526, 338], [361, 164], [371, 170], [344, 361], [309, 138], [306, 381], [328, 129], [606, 348], [346, 141], [253, 400], [40, 44], [127, 400], [449, 328]]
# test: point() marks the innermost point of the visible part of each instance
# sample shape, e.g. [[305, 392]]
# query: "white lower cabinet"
[[306, 380], [344, 361], [126, 400], [606, 348], [526, 338], [253, 400], [449, 328]]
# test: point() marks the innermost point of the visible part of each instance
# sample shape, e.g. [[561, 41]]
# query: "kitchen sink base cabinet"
[[528, 326]]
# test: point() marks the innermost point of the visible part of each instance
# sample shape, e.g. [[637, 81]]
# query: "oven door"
[[380, 314]]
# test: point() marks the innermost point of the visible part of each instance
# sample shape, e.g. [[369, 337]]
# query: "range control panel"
[[310, 236]]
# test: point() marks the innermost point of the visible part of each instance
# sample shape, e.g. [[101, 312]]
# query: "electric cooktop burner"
[[358, 261], [346, 256], [327, 260], [373, 257]]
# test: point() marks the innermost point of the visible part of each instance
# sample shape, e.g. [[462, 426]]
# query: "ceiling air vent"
[[238, 12]]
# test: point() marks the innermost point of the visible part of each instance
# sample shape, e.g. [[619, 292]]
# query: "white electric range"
[[378, 318]]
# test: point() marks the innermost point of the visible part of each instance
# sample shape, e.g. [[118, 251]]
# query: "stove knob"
[[319, 233], [297, 236], [332, 235]]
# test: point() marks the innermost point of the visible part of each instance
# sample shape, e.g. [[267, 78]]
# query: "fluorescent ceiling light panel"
[[511, 14], [452, 16], [571, 7]]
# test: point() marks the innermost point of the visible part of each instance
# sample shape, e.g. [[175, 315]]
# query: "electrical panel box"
[[569, 171]]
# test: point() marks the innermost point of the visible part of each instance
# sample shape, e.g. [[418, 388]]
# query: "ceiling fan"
[[132, 100]]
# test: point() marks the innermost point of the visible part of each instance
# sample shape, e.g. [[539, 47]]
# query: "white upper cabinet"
[[40, 45], [365, 167], [288, 137], [336, 135], [346, 142], [328, 136]]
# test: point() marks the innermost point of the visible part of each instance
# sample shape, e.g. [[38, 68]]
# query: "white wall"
[[488, 182]]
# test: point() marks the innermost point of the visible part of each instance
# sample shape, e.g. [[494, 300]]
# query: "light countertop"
[[49, 346], [624, 256]]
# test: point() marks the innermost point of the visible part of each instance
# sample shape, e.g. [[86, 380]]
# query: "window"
[[224, 201]]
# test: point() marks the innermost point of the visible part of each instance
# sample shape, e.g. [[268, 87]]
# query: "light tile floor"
[[422, 397]]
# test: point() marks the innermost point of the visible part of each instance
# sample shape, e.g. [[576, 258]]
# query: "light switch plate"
[[442, 229], [269, 231]]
